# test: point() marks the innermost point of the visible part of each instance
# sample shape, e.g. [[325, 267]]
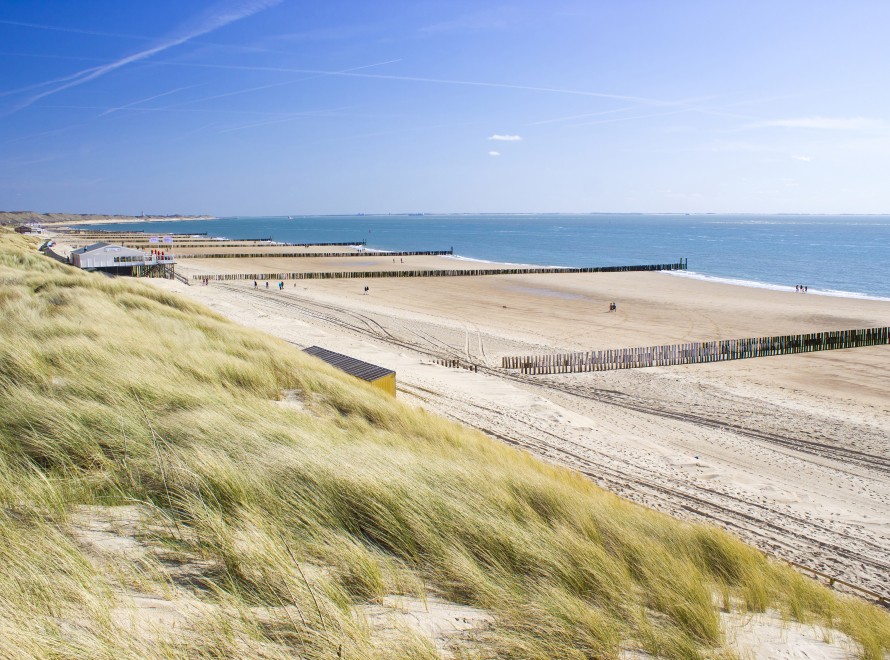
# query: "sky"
[[282, 107]]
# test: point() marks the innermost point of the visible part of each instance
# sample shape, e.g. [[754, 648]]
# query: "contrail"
[[273, 85], [215, 22], [583, 116], [290, 117], [56, 28], [150, 98], [440, 81]]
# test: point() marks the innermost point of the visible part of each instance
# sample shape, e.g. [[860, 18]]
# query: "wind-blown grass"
[[114, 392]]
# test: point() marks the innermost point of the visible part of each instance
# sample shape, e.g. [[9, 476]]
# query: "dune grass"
[[113, 392]]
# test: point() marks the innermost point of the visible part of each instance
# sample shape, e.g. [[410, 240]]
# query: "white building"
[[103, 256]]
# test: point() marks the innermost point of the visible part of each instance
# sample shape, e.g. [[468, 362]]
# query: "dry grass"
[[112, 392]]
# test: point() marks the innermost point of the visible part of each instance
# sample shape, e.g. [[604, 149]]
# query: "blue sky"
[[283, 107]]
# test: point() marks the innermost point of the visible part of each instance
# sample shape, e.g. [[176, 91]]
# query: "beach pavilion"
[[120, 260]]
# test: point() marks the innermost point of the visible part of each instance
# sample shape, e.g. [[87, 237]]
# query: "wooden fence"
[[353, 274], [455, 363], [696, 352], [298, 255]]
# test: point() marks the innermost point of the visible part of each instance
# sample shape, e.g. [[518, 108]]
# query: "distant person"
[[281, 286], [804, 288], [367, 288], [267, 284], [797, 288], [255, 284]]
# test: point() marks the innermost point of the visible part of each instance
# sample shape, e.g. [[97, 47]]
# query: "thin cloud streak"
[[272, 86], [70, 30], [215, 22], [620, 119], [291, 117], [146, 100], [582, 116], [823, 123], [440, 81]]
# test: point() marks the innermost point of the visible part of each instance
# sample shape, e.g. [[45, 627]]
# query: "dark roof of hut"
[[364, 370], [89, 248]]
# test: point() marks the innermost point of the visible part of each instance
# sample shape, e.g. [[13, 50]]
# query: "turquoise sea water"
[[832, 255]]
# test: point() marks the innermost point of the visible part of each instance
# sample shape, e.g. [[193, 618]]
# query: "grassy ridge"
[[113, 392]]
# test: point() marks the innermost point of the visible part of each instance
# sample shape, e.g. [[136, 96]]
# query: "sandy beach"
[[790, 453]]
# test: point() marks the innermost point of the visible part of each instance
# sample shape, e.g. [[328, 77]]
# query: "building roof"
[[357, 368], [89, 248], [108, 248]]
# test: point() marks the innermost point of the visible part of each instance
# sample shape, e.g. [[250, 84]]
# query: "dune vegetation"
[[282, 498]]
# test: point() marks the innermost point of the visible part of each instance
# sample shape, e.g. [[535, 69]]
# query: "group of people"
[[801, 288], [280, 285], [613, 307]]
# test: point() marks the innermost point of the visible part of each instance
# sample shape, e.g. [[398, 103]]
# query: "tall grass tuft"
[[113, 392]]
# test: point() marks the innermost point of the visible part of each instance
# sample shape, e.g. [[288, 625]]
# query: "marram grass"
[[112, 392]]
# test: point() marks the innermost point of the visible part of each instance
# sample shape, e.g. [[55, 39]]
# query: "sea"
[[836, 255]]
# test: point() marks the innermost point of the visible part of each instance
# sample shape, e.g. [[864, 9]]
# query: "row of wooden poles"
[[333, 275], [696, 352], [456, 364], [100, 232], [417, 253], [259, 242]]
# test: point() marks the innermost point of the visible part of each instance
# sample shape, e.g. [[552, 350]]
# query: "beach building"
[[120, 260], [379, 377], [29, 228]]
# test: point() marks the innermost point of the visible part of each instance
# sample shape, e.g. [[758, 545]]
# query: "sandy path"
[[791, 453]]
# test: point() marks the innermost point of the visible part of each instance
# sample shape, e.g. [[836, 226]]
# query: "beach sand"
[[790, 453]]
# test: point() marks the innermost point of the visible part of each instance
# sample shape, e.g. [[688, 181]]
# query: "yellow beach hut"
[[379, 377]]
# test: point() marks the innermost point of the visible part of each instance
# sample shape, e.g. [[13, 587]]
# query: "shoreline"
[[725, 279], [770, 286]]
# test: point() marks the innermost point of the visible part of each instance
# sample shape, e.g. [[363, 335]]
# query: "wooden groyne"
[[135, 233], [455, 363], [696, 352], [252, 243], [471, 272], [300, 255]]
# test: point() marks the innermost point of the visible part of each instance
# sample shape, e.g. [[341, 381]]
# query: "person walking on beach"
[[267, 284], [255, 284]]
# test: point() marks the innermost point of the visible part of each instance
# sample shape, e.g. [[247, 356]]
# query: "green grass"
[[114, 392]]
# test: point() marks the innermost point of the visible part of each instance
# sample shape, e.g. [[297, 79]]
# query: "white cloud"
[[805, 159], [494, 153], [823, 123], [506, 138]]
